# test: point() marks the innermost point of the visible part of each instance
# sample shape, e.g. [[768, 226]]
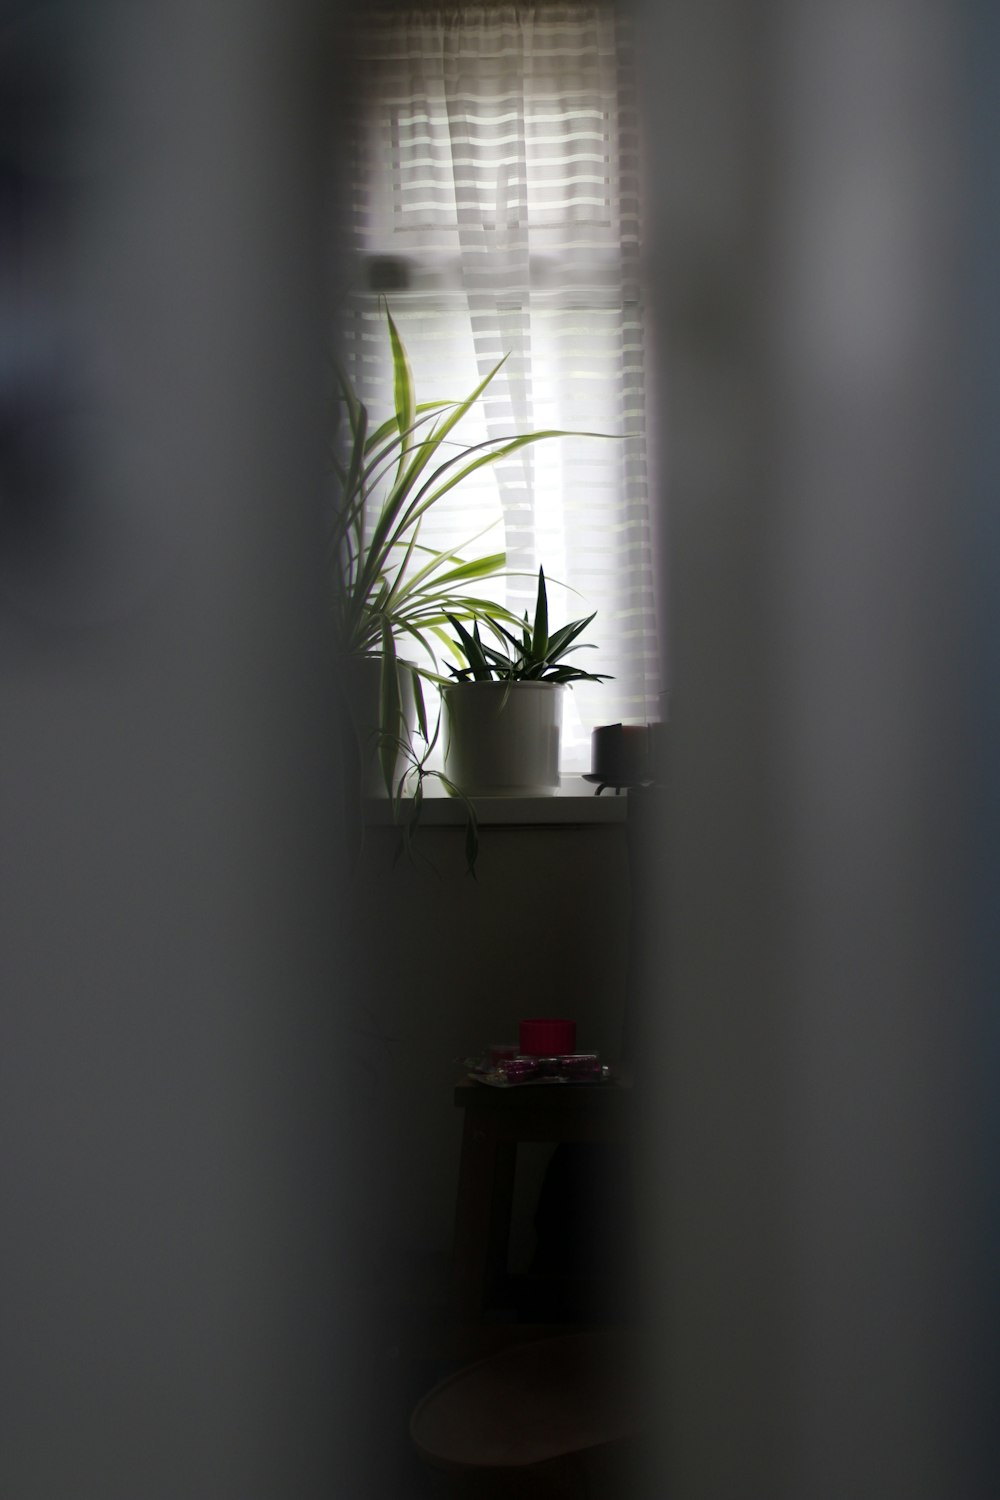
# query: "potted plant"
[[503, 710], [389, 588]]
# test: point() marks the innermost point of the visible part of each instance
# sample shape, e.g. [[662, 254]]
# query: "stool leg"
[[482, 1216], [504, 1166]]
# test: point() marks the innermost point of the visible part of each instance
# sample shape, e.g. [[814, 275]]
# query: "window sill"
[[574, 804]]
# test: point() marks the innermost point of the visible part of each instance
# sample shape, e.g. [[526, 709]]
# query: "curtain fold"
[[497, 205]]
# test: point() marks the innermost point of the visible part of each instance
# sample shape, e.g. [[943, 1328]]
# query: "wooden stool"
[[557, 1417], [496, 1121]]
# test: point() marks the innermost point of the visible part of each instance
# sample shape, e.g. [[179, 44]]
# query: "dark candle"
[[620, 753]]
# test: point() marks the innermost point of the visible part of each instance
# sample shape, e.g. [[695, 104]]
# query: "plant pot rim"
[[504, 687]]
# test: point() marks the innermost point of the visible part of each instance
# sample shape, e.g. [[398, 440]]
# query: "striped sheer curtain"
[[496, 207]]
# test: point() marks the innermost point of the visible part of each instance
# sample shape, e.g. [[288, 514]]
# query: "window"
[[496, 205]]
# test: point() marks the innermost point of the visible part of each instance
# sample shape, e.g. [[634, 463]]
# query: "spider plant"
[[533, 656], [390, 589]]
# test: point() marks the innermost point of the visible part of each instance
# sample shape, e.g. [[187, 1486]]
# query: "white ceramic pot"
[[502, 739], [362, 681]]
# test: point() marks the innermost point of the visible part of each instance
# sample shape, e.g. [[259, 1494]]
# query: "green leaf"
[[389, 430], [505, 633], [540, 634], [428, 581], [467, 572], [499, 659], [428, 495], [399, 585], [471, 822], [420, 706], [398, 511], [379, 463], [471, 844], [560, 642], [471, 645], [402, 381], [359, 430], [390, 709]]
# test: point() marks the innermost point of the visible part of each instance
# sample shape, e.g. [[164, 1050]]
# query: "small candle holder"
[[546, 1037], [620, 756]]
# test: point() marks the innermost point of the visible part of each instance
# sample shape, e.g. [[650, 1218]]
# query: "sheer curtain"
[[496, 206]]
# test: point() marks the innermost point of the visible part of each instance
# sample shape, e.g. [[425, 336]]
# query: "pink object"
[[547, 1038], [501, 1050]]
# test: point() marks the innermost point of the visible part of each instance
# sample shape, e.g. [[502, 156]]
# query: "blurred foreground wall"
[[181, 1305], [822, 1163]]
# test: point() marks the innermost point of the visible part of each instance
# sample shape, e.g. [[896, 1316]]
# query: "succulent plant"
[[535, 655]]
